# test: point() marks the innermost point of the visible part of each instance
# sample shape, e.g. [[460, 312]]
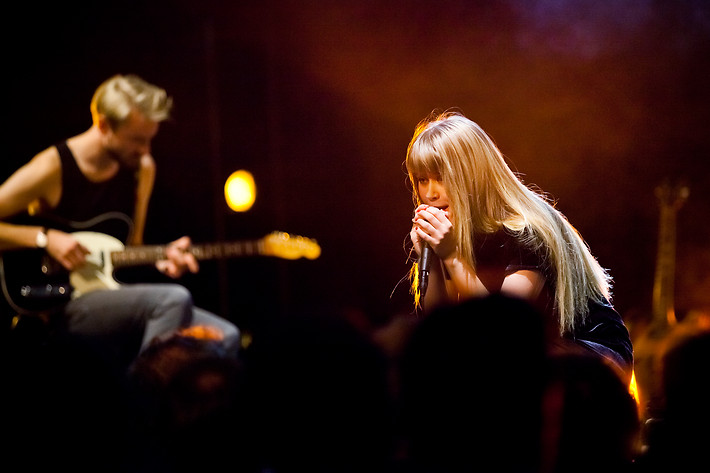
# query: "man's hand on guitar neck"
[[179, 259], [64, 248]]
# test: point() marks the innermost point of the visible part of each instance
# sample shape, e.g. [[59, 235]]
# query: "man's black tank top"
[[106, 207]]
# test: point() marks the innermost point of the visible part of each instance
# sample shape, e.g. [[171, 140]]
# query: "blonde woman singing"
[[490, 233]]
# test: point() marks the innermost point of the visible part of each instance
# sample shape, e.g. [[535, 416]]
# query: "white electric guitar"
[[33, 282]]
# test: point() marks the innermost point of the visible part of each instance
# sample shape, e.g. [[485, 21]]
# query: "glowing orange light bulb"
[[240, 191]]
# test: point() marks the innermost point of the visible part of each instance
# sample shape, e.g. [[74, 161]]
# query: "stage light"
[[240, 191]]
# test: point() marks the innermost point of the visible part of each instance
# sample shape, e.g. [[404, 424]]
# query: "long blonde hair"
[[485, 195]]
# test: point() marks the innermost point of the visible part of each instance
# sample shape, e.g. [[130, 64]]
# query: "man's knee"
[[177, 295]]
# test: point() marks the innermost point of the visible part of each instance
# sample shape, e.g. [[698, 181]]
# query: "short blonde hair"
[[116, 97]]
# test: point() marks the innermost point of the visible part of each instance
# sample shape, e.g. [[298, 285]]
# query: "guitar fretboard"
[[139, 255]]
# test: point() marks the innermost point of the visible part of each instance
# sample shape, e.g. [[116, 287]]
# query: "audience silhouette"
[[470, 392], [591, 421], [321, 396], [678, 438], [475, 389], [188, 397], [64, 407]]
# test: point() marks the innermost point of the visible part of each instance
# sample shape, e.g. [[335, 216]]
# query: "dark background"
[[596, 102]]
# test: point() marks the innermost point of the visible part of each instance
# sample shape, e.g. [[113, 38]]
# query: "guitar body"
[[32, 282], [97, 273]]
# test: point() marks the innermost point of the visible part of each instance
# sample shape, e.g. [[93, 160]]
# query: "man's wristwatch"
[[42, 240]]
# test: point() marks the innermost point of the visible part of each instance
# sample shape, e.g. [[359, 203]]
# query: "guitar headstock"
[[672, 196], [288, 246]]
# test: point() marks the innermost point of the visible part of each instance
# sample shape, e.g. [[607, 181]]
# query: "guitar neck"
[[147, 254]]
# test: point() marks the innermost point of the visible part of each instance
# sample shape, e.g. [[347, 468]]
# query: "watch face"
[[42, 239]]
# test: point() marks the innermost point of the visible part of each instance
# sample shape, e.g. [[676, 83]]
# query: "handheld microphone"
[[424, 265]]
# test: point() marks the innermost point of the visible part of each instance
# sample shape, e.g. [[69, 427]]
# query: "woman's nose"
[[432, 192]]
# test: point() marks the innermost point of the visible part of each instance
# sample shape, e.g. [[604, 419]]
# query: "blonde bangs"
[[423, 159]]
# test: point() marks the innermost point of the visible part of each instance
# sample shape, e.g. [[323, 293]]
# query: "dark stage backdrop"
[[596, 102]]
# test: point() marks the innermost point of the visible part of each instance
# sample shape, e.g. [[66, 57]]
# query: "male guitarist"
[[105, 174]]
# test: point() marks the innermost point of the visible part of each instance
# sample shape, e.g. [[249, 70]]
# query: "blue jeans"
[[124, 321]]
